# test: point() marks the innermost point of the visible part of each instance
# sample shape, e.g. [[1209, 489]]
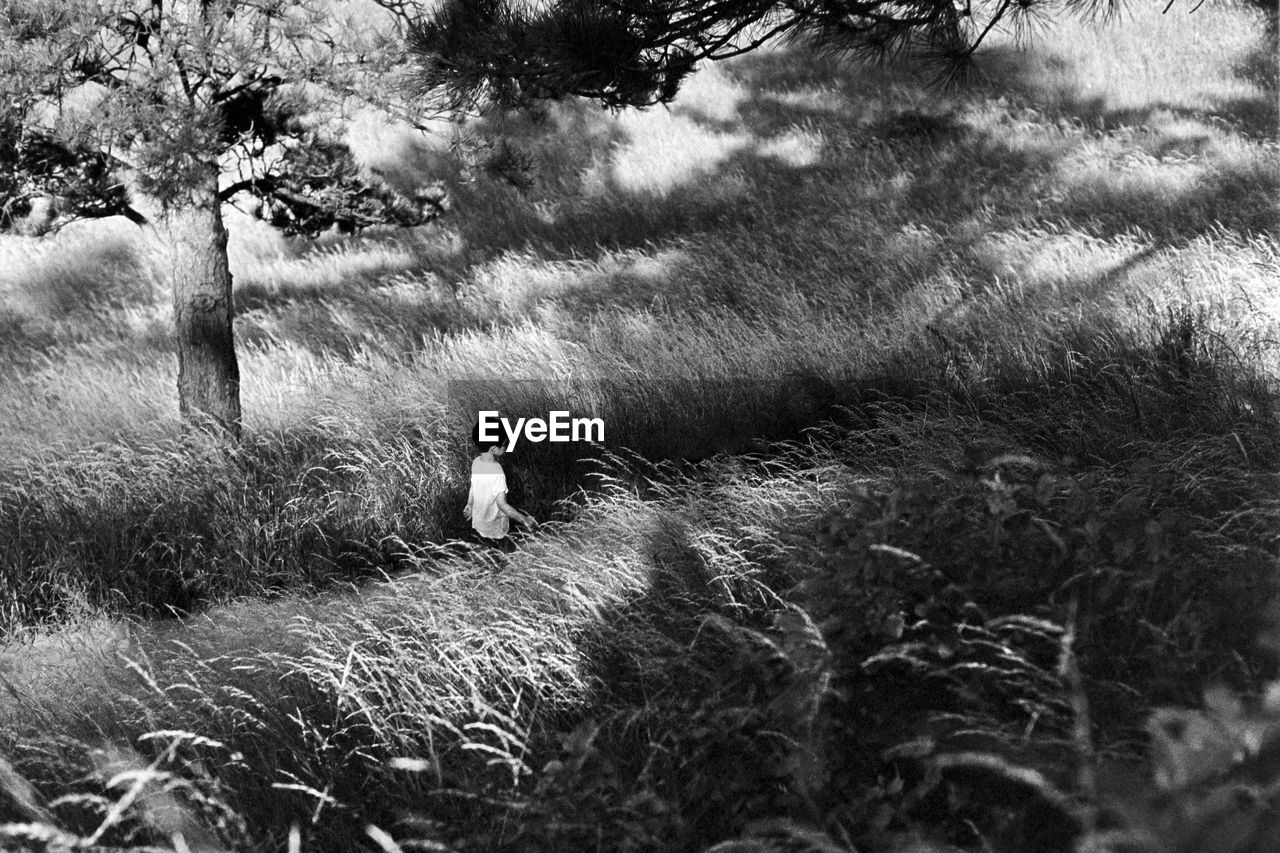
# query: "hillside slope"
[[1020, 340]]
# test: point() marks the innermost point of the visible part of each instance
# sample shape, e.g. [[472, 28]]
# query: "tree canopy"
[[628, 53], [109, 105]]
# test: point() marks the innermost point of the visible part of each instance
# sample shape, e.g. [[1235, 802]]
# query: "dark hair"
[[475, 438]]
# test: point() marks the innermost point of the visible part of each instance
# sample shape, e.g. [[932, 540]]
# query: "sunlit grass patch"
[[713, 95], [796, 148], [1118, 73], [55, 679], [663, 151], [79, 270], [1121, 183], [77, 399], [562, 293], [334, 267]]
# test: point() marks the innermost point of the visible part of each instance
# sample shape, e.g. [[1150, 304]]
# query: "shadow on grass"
[[787, 140], [881, 143], [695, 690], [697, 705], [878, 145]]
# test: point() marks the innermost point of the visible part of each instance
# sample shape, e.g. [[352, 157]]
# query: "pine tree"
[[634, 53], [164, 110]]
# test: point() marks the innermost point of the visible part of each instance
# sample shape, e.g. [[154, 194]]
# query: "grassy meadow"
[[937, 511]]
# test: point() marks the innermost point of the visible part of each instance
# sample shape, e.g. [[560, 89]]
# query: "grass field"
[[942, 443]]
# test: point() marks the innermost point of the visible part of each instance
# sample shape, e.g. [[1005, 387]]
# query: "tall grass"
[[819, 192], [460, 668], [654, 669], [1022, 337]]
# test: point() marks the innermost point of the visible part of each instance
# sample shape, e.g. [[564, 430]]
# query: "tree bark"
[[193, 262]]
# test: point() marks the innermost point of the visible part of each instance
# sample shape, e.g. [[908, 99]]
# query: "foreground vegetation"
[[1035, 319]]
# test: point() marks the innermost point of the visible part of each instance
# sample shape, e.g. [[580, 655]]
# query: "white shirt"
[[488, 484]]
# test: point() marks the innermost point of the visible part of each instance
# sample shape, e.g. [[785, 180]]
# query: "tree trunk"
[[193, 262]]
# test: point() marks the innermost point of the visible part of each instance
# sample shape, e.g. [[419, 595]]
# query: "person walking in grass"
[[487, 505]]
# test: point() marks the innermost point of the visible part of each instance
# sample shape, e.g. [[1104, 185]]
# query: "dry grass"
[[725, 202], [1064, 272]]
